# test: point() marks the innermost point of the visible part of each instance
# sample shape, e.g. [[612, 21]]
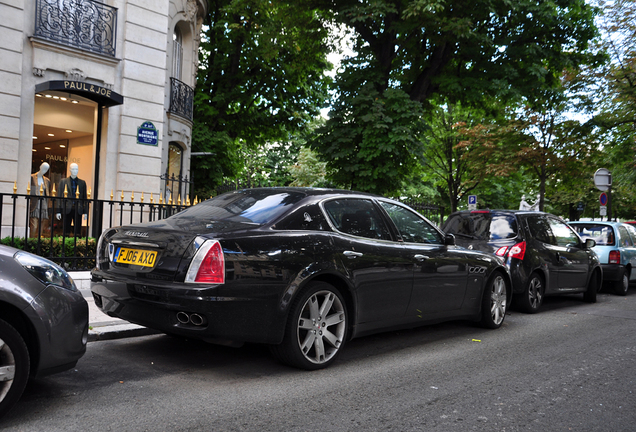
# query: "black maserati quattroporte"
[[303, 270]]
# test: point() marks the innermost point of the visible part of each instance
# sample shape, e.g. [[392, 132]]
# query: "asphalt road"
[[572, 367]]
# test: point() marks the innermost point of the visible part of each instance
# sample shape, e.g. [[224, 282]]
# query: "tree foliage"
[[308, 171], [260, 79], [469, 51], [612, 90], [379, 146]]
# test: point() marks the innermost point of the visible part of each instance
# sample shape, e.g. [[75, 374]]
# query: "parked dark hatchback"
[[301, 269], [545, 256]]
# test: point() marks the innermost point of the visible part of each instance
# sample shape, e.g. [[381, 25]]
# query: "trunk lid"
[[161, 250]]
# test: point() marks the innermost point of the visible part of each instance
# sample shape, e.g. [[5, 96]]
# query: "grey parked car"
[[43, 322]]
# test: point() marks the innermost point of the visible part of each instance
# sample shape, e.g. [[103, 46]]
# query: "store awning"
[[102, 95]]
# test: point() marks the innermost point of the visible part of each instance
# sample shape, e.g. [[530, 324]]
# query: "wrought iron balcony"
[[181, 98], [86, 24]]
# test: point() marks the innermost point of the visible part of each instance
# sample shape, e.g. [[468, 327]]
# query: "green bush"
[[73, 254]]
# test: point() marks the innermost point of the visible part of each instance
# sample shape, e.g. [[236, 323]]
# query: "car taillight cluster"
[[614, 257], [517, 251], [208, 265]]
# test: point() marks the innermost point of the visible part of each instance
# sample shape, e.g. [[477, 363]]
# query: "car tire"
[[532, 297], [589, 296], [14, 366], [494, 302], [622, 284], [316, 329]]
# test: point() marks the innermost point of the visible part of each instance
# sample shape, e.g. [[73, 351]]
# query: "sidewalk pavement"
[[102, 326]]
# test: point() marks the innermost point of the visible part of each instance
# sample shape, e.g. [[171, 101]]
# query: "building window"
[[177, 53]]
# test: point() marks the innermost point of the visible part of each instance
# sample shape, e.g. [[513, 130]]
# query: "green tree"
[[261, 78], [308, 170], [464, 146], [470, 51], [612, 97], [558, 151], [378, 147]]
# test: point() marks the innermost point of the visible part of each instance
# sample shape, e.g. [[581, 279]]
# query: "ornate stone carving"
[[75, 75], [38, 72], [191, 10]]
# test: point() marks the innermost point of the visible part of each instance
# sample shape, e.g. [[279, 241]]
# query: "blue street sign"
[[603, 199], [472, 199], [147, 134]]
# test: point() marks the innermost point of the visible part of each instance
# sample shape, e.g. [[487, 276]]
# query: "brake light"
[[208, 265], [518, 251], [501, 251], [615, 257]]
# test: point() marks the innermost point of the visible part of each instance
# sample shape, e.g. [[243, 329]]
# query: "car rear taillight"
[[208, 265], [518, 251], [501, 251], [615, 257]]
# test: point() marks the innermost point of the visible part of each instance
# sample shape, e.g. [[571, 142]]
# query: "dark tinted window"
[[540, 229], [563, 234], [357, 217], [412, 227], [305, 218], [482, 225], [603, 235], [253, 206], [503, 227]]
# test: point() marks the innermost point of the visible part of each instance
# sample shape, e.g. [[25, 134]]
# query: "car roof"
[[306, 190], [608, 223], [500, 211]]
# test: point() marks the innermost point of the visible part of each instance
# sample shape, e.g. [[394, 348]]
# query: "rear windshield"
[[247, 206], [482, 226], [603, 235]]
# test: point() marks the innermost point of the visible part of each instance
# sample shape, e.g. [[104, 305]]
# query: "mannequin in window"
[[73, 209], [38, 207]]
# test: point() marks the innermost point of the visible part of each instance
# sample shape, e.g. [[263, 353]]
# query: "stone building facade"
[[106, 84]]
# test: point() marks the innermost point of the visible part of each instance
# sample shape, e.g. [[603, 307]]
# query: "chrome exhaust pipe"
[[183, 317], [196, 319]]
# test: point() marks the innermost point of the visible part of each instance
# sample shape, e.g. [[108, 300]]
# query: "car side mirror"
[[449, 240], [590, 243]]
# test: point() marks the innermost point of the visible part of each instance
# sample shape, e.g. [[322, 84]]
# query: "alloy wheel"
[[534, 293], [7, 369], [498, 300], [321, 327]]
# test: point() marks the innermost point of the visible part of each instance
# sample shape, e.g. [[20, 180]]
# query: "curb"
[[119, 331]]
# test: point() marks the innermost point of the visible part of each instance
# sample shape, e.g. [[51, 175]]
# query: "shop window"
[[174, 180]]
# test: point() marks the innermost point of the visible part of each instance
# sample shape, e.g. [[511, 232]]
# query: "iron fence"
[[175, 186], [65, 230], [87, 24], [432, 212]]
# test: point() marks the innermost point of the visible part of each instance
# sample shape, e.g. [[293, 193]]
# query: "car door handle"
[[420, 257], [352, 254]]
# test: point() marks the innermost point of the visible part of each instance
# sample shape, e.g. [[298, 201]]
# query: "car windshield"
[[482, 226], [603, 235], [247, 206]]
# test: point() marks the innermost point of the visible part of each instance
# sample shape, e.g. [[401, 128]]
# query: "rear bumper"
[[249, 316], [612, 272]]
